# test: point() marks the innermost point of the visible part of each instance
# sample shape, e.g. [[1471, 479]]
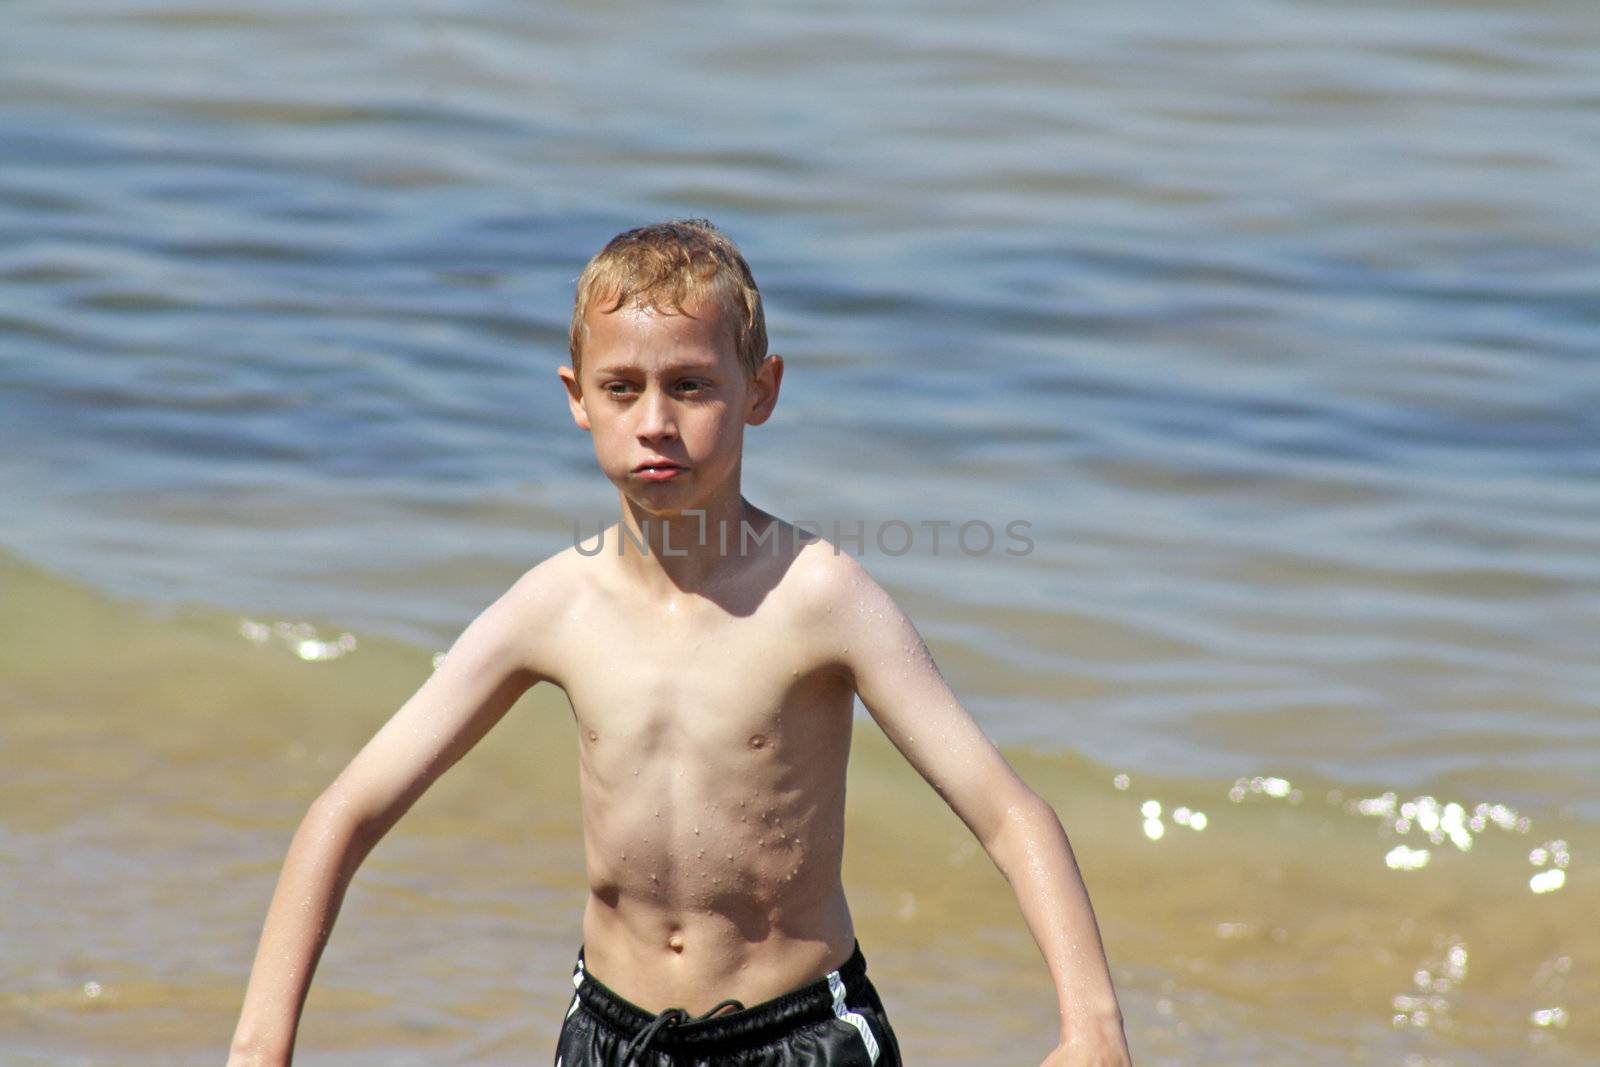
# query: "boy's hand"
[[1099, 1043]]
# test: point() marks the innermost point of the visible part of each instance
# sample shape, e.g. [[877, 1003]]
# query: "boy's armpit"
[[897, 679]]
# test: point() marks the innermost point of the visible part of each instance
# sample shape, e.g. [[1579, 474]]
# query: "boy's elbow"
[[337, 818], [1032, 806], [1027, 815], [331, 843], [1010, 811]]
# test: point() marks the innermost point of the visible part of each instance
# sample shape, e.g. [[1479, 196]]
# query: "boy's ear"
[[569, 378], [764, 390]]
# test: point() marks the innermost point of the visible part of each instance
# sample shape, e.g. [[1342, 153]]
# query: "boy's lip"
[[657, 463]]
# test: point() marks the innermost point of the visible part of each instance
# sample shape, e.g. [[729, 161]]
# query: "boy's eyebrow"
[[671, 368]]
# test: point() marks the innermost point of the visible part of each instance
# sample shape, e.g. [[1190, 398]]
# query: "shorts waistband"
[[755, 1025]]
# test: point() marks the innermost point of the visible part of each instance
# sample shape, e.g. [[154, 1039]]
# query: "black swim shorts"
[[836, 1021]]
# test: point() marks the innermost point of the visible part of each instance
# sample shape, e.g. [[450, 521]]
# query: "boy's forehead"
[[635, 336]]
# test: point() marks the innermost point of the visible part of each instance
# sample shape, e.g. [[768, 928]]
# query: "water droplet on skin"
[[700, 854], [730, 855], [697, 831]]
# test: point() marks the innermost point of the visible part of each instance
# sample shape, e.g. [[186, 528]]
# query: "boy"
[[711, 653]]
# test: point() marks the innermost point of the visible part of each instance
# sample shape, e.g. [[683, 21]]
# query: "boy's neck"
[[686, 552]]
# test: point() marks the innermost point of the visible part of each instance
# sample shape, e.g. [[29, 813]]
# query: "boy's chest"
[[657, 677]]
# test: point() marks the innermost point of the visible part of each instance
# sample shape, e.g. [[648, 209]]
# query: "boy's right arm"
[[490, 665]]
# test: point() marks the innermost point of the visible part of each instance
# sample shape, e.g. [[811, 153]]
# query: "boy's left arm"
[[901, 686]]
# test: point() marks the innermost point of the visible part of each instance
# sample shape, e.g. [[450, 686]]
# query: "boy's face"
[[657, 385]]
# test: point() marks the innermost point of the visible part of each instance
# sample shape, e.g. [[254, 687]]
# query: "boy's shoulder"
[[826, 576], [826, 591], [809, 572]]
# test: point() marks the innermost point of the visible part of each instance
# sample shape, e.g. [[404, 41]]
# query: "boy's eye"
[[690, 386]]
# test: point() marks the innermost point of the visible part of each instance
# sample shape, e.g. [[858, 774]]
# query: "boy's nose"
[[655, 415]]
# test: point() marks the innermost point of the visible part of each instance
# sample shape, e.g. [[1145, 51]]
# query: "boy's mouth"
[[658, 470]]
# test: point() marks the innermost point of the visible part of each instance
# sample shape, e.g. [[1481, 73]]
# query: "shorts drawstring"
[[670, 1017]]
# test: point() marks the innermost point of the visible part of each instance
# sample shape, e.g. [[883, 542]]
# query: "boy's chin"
[[660, 505]]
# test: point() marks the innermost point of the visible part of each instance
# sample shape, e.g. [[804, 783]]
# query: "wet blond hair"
[[666, 267]]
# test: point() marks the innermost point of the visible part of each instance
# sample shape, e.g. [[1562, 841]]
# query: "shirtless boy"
[[711, 653]]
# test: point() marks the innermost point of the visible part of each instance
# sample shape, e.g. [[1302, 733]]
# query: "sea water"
[[1275, 325]]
